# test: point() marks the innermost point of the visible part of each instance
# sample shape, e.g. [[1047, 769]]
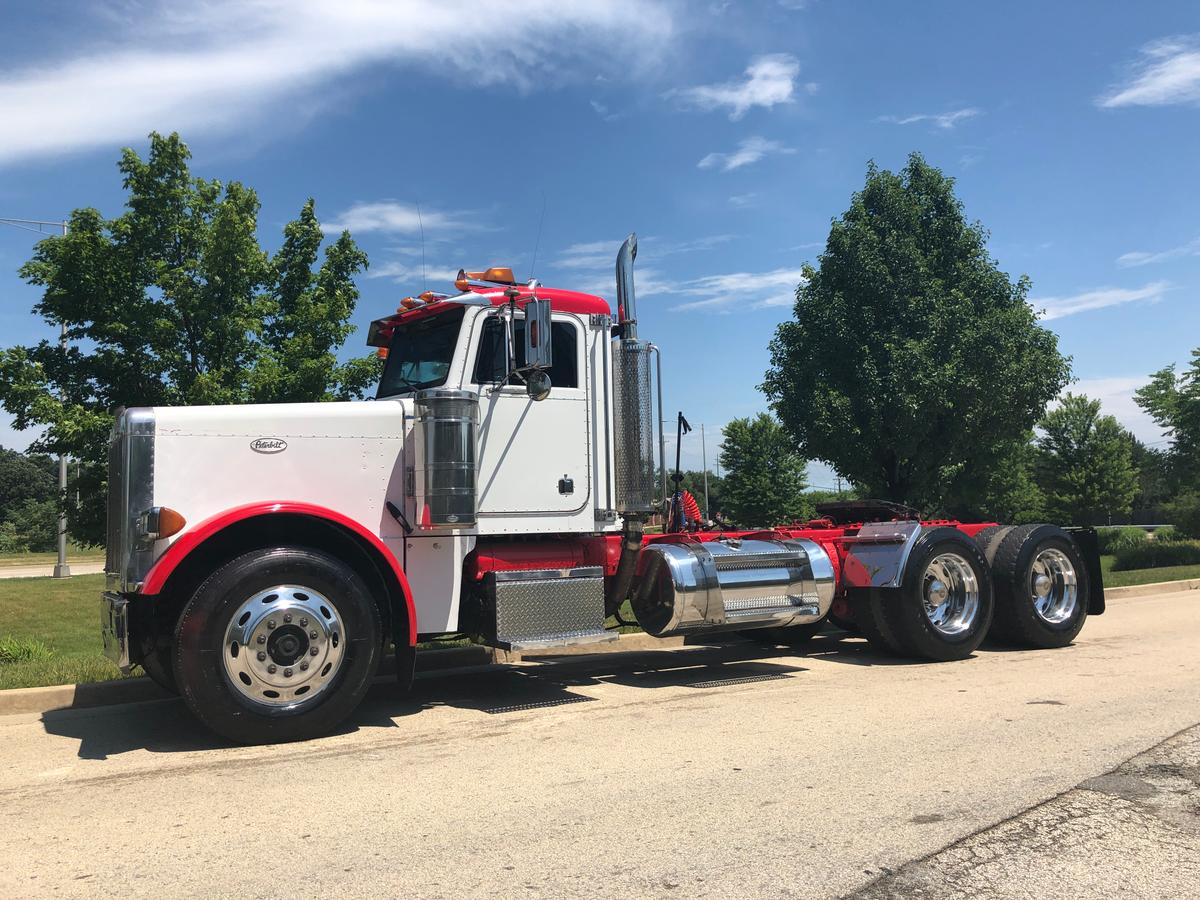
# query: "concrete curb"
[[1159, 587], [138, 690]]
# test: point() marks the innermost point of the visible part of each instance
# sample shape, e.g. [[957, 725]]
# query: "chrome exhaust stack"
[[633, 425]]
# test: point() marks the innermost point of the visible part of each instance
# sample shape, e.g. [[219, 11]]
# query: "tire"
[[1032, 559], [157, 663], [867, 606], [943, 607], [790, 635], [990, 538], [243, 657], [989, 541]]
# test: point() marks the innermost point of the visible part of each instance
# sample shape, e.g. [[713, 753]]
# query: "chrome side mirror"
[[539, 353], [537, 384]]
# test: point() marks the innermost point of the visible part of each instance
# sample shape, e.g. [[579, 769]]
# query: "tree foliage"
[[174, 302], [1173, 401], [28, 502], [764, 477], [912, 364], [1085, 463]]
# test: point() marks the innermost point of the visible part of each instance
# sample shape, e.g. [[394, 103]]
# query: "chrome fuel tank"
[[732, 585]]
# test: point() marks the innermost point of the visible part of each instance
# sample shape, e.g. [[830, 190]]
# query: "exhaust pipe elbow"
[[626, 304]]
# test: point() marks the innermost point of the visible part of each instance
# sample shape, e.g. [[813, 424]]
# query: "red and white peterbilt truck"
[[263, 559]]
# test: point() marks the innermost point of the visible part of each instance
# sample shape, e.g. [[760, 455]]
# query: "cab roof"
[[561, 300]]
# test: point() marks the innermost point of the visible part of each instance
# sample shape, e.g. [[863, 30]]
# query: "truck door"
[[534, 456]]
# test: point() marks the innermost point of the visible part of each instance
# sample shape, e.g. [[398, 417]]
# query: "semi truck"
[[262, 560]]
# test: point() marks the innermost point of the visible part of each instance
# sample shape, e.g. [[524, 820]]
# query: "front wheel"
[[278, 645]]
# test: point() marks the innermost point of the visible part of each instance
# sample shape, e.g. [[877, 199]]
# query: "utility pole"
[[61, 569], [704, 462]]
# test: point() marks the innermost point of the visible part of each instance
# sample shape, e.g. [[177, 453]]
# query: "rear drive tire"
[[1041, 587], [867, 606], [943, 607], [278, 645], [989, 541]]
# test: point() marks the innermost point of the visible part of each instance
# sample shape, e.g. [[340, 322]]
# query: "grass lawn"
[[65, 617], [74, 554], [1145, 576]]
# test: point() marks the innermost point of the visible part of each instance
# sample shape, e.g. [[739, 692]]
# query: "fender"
[[194, 537]]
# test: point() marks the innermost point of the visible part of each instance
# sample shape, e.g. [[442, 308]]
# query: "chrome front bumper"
[[114, 629]]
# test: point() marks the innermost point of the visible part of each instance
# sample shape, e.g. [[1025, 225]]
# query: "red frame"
[[175, 554]]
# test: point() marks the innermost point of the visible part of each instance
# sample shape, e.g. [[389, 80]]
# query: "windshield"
[[420, 353]]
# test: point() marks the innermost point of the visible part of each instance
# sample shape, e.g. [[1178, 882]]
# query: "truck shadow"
[[166, 726]]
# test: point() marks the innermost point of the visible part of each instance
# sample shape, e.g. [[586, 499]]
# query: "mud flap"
[[1089, 547]]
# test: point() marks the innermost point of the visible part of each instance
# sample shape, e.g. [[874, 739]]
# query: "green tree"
[[1085, 463], [912, 364], [764, 477], [174, 302], [1008, 491], [25, 477], [1173, 401]]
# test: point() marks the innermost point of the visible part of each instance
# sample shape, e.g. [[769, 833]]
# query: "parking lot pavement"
[[1134, 831], [94, 567], [704, 771]]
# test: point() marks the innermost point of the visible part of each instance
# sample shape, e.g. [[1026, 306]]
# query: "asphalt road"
[[705, 771]]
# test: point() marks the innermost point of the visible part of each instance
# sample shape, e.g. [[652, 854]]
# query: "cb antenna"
[[421, 226], [538, 240]]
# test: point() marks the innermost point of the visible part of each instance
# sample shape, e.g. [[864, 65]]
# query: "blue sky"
[[726, 134]]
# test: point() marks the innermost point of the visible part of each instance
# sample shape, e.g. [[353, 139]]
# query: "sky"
[[538, 133]]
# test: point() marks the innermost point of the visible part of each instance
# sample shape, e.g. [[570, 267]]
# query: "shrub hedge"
[[1114, 539], [1157, 554]]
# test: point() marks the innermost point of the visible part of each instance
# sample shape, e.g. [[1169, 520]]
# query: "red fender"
[[194, 537]]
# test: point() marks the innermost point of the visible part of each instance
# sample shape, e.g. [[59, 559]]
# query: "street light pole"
[[61, 569]]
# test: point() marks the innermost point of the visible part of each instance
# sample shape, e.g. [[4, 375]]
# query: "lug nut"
[[271, 668], [287, 673], [270, 623], [262, 639], [304, 623], [287, 617], [312, 635], [312, 651], [304, 666], [261, 656]]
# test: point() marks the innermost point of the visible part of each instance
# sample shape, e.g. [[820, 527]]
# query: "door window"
[[492, 361]]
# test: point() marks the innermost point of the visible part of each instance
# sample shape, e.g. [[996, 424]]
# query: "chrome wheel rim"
[[1053, 586], [950, 592], [284, 646]]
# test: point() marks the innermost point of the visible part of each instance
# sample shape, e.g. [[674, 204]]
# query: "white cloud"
[[946, 120], [750, 150], [393, 217], [1167, 73], [1058, 307], [434, 276], [1116, 399], [769, 80], [722, 293], [226, 63], [1142, 258], [744, 200]]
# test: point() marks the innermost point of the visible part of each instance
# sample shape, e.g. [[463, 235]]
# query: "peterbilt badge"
[[268, 445]]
